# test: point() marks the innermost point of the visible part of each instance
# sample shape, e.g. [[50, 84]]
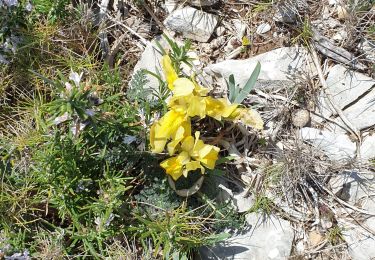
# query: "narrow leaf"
[[249, 85]]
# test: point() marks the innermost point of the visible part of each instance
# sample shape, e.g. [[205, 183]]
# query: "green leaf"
[[249, 85], [213, 239]]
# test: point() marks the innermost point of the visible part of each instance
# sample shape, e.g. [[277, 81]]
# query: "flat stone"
[[361, 243], [336, 146], [362, 113], [346, 87], [281, 65], [355, 189], [192, 23], [267, 238]]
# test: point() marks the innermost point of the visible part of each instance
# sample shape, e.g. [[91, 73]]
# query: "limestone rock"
[[335, 146], [151, 60], [361, 244], [347, 88], [192, 23], [279, 65], [268, 238]]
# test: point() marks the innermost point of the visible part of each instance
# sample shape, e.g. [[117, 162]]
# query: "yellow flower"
[[169, 72], [218, 108], [182, 87], [163, 129], [194, 155], [248, 117], [199, 151], [191, 105], [174, 166], [183, 131]]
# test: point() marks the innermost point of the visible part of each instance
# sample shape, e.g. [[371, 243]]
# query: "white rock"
[[368, 148], [263, 28], [192, 23], [269, 238], [345, 86], [170, 5], [339, 36], [202, 2], [150, 60], [240, 28], [361, 243], [277, 65], [355, 188], [238, 199], [335, 146], [332, 2]]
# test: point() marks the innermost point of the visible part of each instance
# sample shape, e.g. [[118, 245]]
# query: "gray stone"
[[240, 200], [336, 146], [283, 65], [368, 48], [263, 28], [285, 13], [346, 87], [203, 2], [361, 243], [355, 188], [267, 238], [192, 23]]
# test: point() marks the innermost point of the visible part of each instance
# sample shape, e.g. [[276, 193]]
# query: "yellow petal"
[[248, 117], [169, 124], [172, 167], [157, 144], [169, 73], [183, 131], [209, 155], [215, 107], [193, 165], [188, 144], [229, 109], [197, 107], [182, 87]]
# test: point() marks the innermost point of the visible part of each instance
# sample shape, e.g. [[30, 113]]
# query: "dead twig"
[[351, 128]]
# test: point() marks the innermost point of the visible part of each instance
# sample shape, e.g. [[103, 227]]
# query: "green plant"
[[174, 233], [334, 235], [179, 54], [263, 205], [304, 34], [237, 94]]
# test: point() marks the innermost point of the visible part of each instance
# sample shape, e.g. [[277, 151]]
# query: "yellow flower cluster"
[[189, 100]]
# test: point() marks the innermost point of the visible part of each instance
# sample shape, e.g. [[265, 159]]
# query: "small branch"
[[350, 126]]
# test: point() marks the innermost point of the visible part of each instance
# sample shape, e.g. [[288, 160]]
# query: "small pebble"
[[301, 117], [263, 28]]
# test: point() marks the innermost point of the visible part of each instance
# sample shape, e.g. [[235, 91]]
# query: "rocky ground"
[[316, 95], [310, 172]]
